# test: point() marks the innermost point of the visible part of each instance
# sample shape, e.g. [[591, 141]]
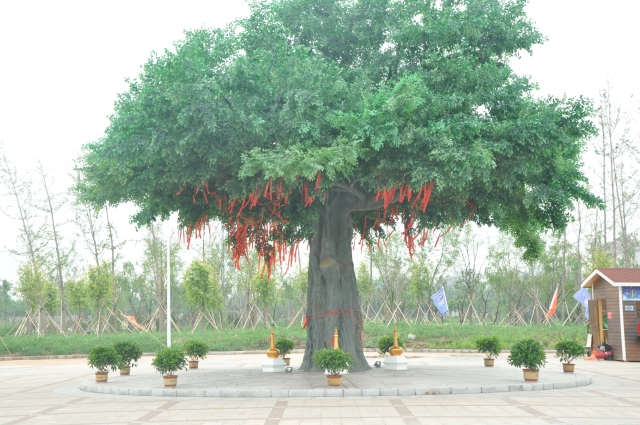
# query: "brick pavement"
[[46, 392]]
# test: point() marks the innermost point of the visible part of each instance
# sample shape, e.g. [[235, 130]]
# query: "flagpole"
[[453, 337]]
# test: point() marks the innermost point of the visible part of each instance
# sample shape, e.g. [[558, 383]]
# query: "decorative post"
[[396, 360], [273, 362], [336, 345], [395, 350], [273, 352]]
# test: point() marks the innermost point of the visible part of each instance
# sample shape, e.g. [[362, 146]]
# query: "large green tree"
[[317, 119]]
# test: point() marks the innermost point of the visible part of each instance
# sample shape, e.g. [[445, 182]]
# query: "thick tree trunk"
[[333, 300]]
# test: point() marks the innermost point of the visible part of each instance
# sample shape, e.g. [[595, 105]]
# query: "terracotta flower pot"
[[287, 360], [170, 380], [193, 364], [531, 375], [102, 376], [334, 380], [489, 362], [126, 370], [568, 367]]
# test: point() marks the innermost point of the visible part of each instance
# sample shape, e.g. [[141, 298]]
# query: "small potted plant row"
[[196, 351], [529, 355], [491, 347], [333, 360], [167, 362], [567, 351], [123, 355], [285, 345], [129, 353], [103, 359]]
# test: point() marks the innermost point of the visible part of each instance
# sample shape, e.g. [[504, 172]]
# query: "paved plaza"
[[48, 392]]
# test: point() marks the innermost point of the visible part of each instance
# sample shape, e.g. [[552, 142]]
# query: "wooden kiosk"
[[614, 311]]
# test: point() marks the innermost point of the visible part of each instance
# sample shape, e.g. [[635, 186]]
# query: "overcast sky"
[[62, 64]]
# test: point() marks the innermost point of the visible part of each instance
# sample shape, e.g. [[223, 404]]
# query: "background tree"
[[78, 300], [40, 295], [100, 291], [60, 254], [315, 120], [201, 289], [365, 282]]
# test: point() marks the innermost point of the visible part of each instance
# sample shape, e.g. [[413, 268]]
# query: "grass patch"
[[427, 336]]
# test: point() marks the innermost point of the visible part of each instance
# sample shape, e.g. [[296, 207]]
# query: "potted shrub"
[[285, 345], [386, 342], [167, 361], [334, 361], [130, 353], [528, 355], [195, 350], [491, 348], [567, 351], [103, 358]]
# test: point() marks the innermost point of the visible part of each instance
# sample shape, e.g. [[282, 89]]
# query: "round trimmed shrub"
[[196, 350], [285, 345], [104, 358], [527, 354], [129, 352], [168, 360]]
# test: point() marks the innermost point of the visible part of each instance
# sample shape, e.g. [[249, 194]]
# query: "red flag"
[[134, 322], [554, 305]]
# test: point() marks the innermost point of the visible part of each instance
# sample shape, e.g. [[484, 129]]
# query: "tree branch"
[[228, 102]]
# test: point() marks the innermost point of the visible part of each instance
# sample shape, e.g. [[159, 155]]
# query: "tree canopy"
[[410, 107]]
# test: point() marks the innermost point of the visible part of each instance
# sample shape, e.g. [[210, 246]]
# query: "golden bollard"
[[273, 352], [395, 350]]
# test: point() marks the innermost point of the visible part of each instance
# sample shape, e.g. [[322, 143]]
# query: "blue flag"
[[440, 300], [583, 297]]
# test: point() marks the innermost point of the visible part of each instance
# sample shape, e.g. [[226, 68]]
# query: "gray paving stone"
[[406, 391], [263, 393], [280, 393], [548, 386], [198, 393], [388, 391], [474, 390], [572, 384], [502, 388], [352, 392], [297, 393], [490, 389], [333, 392], [183, 393], [442, 390], [157, 393], [538, 386], [370, 392], [315, 393], [558, 385], [517, 387], [113, 390], [169, 393], [144, 391], [213, 393], [424, 391], [458, 390], [229, 393], [249, 393], [527, 387], [123, 391]]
